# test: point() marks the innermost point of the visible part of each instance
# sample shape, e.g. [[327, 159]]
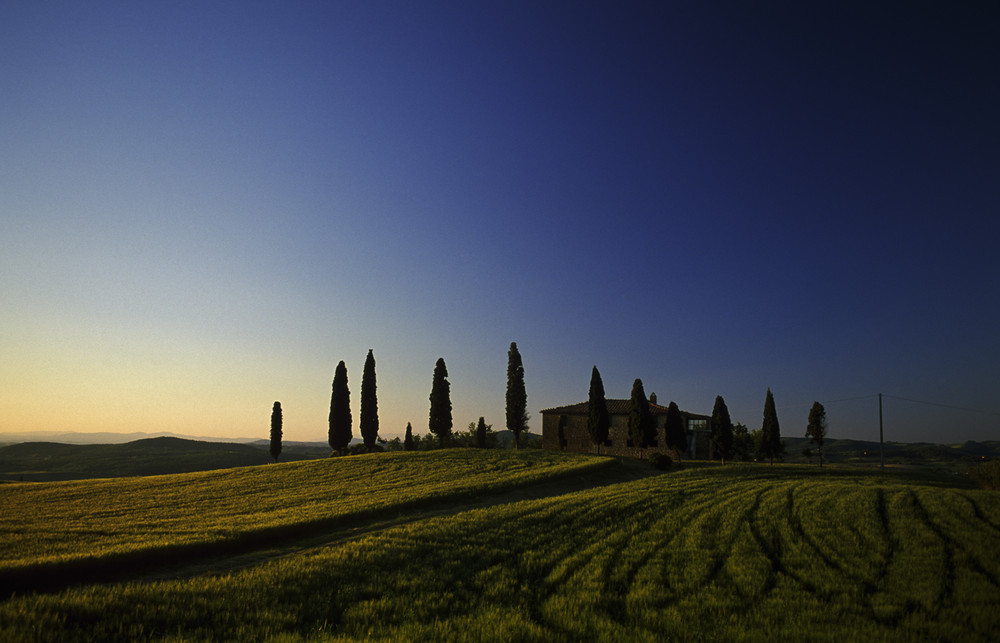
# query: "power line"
[[945, 406], [906, 399], [851, 399]]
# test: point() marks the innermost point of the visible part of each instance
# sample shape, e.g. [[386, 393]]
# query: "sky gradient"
[[205, 206]]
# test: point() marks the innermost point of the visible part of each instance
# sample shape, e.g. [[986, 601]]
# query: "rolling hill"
[[47, 461]]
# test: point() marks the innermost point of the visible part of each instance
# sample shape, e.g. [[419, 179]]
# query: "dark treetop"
[[722, 429], [641, 429], [369, 403], [598, 418], [340, 410], [517, 397], [674, 433], [770, 431], [440, 416], [276, 431]]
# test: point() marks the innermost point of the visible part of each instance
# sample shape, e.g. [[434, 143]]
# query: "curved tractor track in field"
[[253, 548]]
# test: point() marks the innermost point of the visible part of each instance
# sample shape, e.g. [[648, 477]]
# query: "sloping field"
[[740, 552], [61, 524]]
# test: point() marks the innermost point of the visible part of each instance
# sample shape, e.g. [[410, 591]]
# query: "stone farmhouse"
[[564, 428]]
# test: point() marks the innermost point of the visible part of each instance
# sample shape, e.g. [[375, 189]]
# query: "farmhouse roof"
[[615, 407]]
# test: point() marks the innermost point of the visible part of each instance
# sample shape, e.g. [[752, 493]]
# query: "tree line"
[[728, 439], [440, 422]]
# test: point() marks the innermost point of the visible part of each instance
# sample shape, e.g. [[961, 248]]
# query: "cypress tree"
[[816, 428], [440, 417], [369, 403], [770, 431], [408, 438], [640, 420], [340, 410], [722, 429], [674, 434], [276, 431], [517, 397], [598, 418]]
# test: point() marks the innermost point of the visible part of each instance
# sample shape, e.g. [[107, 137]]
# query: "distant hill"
[[103, 437], [44, 461], [505, 439], [909, 453]]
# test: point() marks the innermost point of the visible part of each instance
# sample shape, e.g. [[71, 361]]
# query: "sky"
[[205, 206]]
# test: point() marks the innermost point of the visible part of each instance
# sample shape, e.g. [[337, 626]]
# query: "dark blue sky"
[[204, 208]]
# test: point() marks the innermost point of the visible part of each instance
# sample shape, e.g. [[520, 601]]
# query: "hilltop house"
[[564, 428]]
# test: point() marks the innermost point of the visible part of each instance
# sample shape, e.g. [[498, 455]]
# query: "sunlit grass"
[[710, 553], [54, 522]]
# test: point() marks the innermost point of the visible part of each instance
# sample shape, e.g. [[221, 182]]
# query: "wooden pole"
[[881, 449]]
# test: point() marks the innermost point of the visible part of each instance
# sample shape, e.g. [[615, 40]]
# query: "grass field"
[[61, 522], [735, 552]]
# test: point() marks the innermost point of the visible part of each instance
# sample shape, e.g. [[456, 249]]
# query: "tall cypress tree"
[[517, 397], [770, 431], [640, 420], [440, 417], [598, 418], [673, 433], [276, 431], [340, 410], [722, 429], [408, 438], [369, 403]]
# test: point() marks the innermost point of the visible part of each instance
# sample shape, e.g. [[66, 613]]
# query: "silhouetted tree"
[[598, 418], [408, 438], [340, 411], [276, 431], [517, 397], [481, 433], [742, 442], [722, 429], [816, 428], [771, 446], [369, 404], [640, 420], [427, 442], [440, 417], [674, 433]]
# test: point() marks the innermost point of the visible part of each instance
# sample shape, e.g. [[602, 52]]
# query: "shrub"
[[987, 475], [661, 460]]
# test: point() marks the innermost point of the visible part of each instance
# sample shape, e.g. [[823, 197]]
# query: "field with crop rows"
[[61, 522], [735, 552]]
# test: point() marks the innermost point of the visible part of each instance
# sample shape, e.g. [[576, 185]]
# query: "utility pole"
[[881, 448]]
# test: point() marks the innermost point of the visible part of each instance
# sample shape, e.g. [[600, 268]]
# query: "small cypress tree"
[[369, 404], [481, 433], [674, 433], [722, 429], [640, 420], [408, 439], [340, 411], [598, 418], [771, 446], [440, 416], [276, 431], [816, 428], [517, 397]]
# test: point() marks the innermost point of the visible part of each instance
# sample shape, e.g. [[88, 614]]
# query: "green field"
[[453, 546]]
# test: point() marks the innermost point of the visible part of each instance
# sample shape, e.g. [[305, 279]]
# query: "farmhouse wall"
[[574, 436]]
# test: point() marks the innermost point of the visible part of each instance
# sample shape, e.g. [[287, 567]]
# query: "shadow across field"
[[252, 547]]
